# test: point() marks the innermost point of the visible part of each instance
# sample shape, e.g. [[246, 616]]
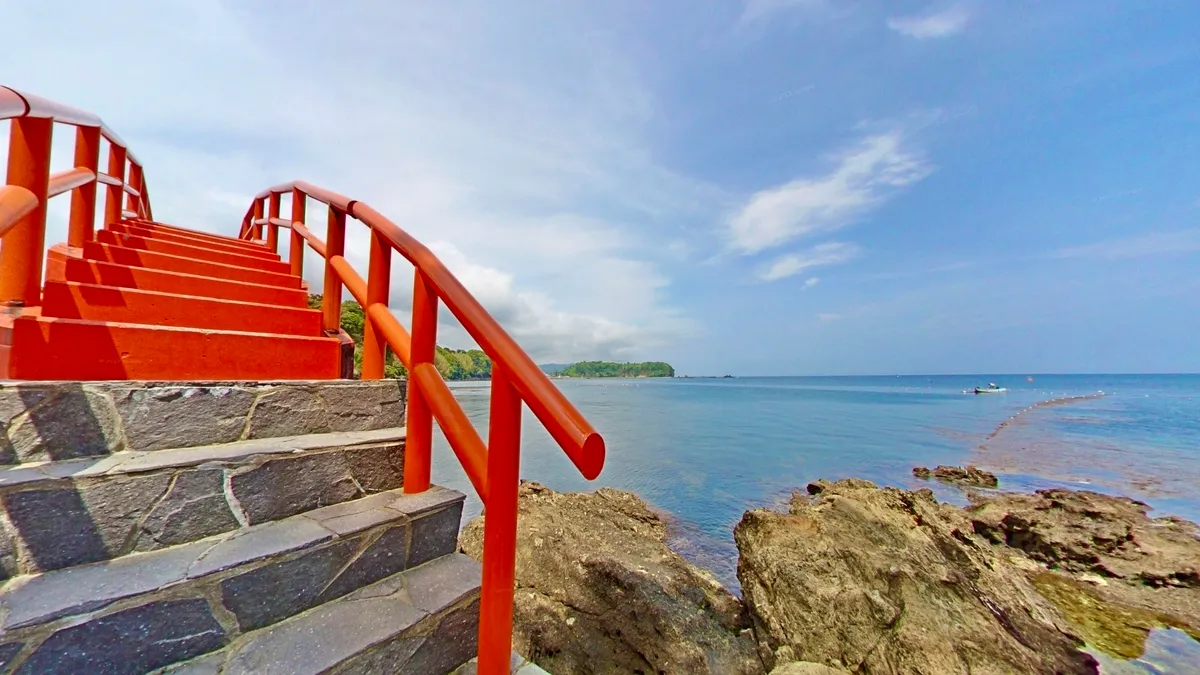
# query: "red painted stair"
[[147, 301]]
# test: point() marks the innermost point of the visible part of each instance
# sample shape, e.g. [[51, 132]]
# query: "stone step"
[[50, 421], [143, 501], [423, 621], [149, 610]]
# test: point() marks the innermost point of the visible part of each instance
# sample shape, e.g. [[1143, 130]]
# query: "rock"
[[194, 507], [599, 591], [807, 668], [956, 474], [1082, 531], [887, 580], [182, 417], [65, 423]]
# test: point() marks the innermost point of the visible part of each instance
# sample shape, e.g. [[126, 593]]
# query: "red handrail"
[[492, 468], [29, 185]]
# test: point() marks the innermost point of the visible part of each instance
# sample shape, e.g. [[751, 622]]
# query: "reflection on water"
[[1167, 651]]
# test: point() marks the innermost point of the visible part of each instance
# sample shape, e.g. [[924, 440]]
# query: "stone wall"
[[67, 420]]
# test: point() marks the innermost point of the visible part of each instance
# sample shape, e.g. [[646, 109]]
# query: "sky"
[[755, 187]]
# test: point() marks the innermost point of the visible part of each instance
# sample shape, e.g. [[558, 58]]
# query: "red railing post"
[[418, 443], [500, 526], [135, 182], [116, 193], [83, 200], [335, 245], [21, 250], [296, 247], [379, 276], [255, 228], [272, 228]]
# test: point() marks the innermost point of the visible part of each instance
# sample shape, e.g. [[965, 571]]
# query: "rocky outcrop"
[[886, 580], [969, 475], [599, 591]]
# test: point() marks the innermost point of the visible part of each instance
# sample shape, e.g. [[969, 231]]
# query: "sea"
[[702, 451]]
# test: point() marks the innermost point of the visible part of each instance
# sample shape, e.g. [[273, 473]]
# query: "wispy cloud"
[[945, 23], [864, 176], [811, 281], [1119, 195], [1141, 246], [757, 9], [831, 253], [828, 316]]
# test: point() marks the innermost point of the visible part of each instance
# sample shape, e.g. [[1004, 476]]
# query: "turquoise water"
[[706, 450]]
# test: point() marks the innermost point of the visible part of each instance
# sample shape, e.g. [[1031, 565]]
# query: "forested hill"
[[610, 369]]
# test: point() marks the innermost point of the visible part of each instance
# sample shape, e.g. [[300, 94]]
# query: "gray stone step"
[[148, 610], [423, 621], [52, 421], [55, 515]]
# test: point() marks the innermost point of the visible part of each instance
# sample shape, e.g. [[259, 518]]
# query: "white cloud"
[[945, 23], [811, 281], [828, 317], [1141, 246], [486, 128], [758, 9], [830, 253], [864, 176]]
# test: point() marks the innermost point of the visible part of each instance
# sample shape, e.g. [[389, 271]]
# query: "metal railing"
[[492, 468], [29, 185]]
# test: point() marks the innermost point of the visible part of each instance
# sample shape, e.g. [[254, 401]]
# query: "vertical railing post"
[[418, 443], [296, 247], [21, 250], [331, 298], [272, 228], [379, 276], [255, 228], [115, 195], [500, 526], [147, 213], [132, 203], [83, 200]]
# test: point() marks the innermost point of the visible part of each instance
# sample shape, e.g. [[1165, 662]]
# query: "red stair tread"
[[175, 229], [140, 243], [93, 302], [253, 250], [174, 263]]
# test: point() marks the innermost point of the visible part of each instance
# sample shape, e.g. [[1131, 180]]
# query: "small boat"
[[990, 389]]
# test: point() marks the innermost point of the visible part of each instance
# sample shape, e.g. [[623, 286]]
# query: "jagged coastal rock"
[[887, 580], [969, 475], [599, 591]]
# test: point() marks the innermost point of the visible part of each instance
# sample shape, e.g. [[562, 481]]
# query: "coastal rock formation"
[[599, 591], [890, 581], [956, 474]]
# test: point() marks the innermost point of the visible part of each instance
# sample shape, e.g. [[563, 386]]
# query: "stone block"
[[443, 582], [83, 521], [8, 652], [209, 664], [432, 499], [381, 558], [193, 508], [158, 418], [258, 543], [365, 405], [288, 411], [320, 640], [435, 534], [130, 642], [452, 643], [63, 422], [377, 467], [278, 590]]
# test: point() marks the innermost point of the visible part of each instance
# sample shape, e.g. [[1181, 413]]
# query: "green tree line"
[[453, 364], [610, 369]]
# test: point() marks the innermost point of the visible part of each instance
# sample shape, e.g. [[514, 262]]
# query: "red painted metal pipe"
[[15, 203], [65, 181]]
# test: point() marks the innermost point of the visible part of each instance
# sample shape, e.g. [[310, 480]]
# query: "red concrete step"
[[42, 348], [251, 250], [74, 300], [187, 251], [208, 236], [174, 263], [65, 264]]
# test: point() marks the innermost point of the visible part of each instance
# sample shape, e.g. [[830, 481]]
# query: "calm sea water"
[[706, 450]]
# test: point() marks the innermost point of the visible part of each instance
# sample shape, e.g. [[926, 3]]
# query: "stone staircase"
[[223, 528]]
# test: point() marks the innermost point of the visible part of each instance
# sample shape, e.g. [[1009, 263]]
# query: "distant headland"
[[609, 369]]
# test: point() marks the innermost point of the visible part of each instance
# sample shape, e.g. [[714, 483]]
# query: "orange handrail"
[[492, 468], [30, 185]]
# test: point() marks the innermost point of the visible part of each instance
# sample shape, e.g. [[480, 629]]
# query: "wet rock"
[[969, 475], [887, 580], [599, 591]]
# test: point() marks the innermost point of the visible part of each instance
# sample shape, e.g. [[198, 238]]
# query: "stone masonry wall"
[[68, 420]]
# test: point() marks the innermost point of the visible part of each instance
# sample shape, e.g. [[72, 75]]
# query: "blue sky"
[[752, 187]]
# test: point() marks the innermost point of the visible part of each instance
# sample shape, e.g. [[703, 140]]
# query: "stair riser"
[[230, 245], [63, 268], [171, 263], [126, 305], [199, 253], [103, 517], [63, 349], [163, 227], [180, 603]]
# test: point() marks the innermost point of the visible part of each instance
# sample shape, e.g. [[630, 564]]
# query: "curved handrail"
[[15, 204], [14, 103], [582, 444]]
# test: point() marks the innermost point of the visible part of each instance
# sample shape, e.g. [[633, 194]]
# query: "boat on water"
[[990, 389]]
